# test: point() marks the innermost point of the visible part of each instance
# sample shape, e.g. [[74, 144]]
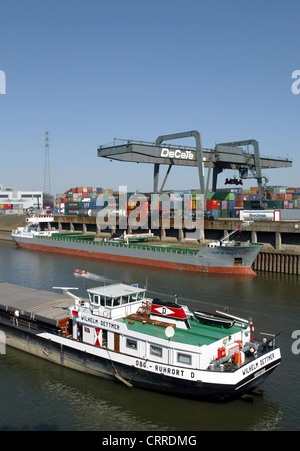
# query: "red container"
[[212, 204], [221, 353]]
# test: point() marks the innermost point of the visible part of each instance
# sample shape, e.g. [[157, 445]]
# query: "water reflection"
[[56, 398]]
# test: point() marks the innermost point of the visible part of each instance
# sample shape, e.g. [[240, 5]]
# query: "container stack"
[[11, 209], [228, 203], [75, 199], [224, 203]]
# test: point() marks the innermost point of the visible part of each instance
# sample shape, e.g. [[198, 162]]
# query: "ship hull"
[[220, 260], [131, 371]]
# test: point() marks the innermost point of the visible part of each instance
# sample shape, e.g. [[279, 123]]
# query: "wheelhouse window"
[[132, 297], [156, 351], [132, 344], [102, 301], [124, 300], [108, 302], [140, 296], [184, 358], [117, 301], [96, 299]]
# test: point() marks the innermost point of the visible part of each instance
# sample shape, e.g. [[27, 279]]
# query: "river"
[[38, 395]]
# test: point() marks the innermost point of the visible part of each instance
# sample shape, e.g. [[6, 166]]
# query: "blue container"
[[235, 212], [215, 213]]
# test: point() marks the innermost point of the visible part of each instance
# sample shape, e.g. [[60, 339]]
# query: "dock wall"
[[284, 263]]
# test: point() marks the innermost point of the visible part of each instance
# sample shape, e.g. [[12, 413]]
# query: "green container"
[[71, 212], [225, 213], [276, 204], [72, 205], [223, 196]]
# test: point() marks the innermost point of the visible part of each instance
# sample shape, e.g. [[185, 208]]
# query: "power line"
[[47, 186]]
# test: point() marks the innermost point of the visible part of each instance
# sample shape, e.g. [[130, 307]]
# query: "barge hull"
[[59, 352], [139, 260]]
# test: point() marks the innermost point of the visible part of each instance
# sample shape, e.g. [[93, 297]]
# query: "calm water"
[[37, 395]]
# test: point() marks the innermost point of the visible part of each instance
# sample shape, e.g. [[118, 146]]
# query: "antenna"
[[47, 188]]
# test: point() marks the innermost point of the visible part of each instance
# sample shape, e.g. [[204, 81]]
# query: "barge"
[[119, 333], [224, 256]]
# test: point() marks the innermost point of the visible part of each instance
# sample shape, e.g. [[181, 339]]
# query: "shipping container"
[[235, 212], [226, 213], [220, 195], [260, 215], [285, 204], [212, 204], [70, 211], [72, 205], [251, 204], [215, 213], [276, 204], [292, 214], [253, 197]]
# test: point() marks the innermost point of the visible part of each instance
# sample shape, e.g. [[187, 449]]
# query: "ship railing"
[[158, 249]]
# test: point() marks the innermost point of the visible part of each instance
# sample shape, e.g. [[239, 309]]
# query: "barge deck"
[[35, 306]]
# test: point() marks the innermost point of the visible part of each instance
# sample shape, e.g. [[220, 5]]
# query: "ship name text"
[[99, 322], [258, 364]]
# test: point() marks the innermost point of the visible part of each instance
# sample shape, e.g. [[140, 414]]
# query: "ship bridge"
[[243, 156]]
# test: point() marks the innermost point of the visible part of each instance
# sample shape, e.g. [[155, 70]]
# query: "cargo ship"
[[225, 256], [119, 333]]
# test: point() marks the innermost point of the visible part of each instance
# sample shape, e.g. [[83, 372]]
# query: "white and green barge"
[[121, 334]]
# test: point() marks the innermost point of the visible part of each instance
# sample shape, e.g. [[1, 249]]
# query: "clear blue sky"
[[92, 70]]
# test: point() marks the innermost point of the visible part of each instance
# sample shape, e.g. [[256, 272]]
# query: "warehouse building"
[[14, 201]]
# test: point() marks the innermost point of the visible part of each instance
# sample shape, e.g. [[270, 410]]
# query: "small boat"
[[80, 272], [213, 320]]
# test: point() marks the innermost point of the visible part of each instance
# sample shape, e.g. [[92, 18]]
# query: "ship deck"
[[197, 335]]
